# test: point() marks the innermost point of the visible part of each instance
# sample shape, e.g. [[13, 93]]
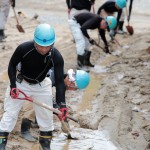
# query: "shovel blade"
[[130, 29], [20, 29]]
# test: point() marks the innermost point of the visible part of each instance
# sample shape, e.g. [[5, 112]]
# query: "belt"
[[20, 78]]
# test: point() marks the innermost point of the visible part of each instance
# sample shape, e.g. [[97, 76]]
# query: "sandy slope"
[[117, 99]]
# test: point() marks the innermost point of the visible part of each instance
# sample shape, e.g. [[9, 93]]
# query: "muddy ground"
[[117, 101]]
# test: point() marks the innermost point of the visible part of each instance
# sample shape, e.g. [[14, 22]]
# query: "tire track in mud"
[[122, 98]]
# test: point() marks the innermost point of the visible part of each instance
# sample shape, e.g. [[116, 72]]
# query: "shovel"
[[128, 27], [19, 27], [49, 108]]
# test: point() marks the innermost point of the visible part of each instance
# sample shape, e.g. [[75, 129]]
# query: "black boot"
[[3, 140], [45, 139], [25, 130], [80, 63], [80, 60], [2, 35], [87, 59]]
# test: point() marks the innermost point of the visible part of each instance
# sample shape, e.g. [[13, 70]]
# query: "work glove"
[[13, 3], [14, 93], [64, 111], [92, 41], [106, 50]]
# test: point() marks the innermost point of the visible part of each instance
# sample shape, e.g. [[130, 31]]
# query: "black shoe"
[[2, 36], [25, 130], [87, 59]]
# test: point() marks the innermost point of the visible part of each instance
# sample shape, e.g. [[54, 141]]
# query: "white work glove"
[[71, 75]]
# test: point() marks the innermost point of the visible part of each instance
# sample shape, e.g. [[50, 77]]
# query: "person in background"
[[37, 57], [109, 8], [79, 26], [79, 6], [4, 12]]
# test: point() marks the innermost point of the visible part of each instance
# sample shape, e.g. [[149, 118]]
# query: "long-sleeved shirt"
[[34, 67], [90, 21], [110, 7], [79, 4]]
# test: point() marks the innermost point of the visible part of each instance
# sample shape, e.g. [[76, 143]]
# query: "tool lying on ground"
[[25, 97], [19, 27], [128, 27]]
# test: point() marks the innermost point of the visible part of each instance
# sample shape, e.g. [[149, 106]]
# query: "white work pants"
[[39, 92], [4, 12], [81, 41]]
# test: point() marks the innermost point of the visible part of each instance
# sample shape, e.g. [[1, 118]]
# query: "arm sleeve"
[[87, 25], [68, 4], [59, 80], [15, 59], [102, 34], [118, 17], [99, 10]]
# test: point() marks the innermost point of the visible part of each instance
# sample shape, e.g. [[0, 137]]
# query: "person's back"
[[81, 4], [109, 7], [78, 6]]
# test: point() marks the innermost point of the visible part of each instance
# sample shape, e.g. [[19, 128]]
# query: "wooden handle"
[[15, 15], [48, 107]]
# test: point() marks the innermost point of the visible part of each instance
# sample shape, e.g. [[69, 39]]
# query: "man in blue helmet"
[[109, 8], [79, 25], [36, 58]]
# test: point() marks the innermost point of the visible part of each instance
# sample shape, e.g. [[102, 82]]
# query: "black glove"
[[107, 50], [92, 41], [13, 3]]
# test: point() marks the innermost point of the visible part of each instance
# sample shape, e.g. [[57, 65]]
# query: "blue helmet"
[[82, 79], [111, 21], [121, 3], [44, 35]]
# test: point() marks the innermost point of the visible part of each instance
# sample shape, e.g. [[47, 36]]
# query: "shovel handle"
[[56, 111], [15, 15]]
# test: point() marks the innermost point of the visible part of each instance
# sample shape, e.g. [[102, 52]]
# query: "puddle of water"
[[87, 140], [99, 69]]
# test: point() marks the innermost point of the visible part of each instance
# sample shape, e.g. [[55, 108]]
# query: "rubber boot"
[[87, 59], [2, 36], [45, 139], [25, 130], [3, 140], [80, 63], [120, 27]]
